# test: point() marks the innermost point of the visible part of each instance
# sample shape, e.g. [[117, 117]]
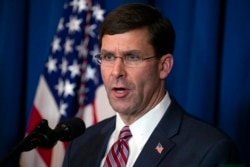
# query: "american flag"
[[71, 77], [159, 148]]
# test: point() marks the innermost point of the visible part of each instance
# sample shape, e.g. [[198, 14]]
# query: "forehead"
[[136, 40]]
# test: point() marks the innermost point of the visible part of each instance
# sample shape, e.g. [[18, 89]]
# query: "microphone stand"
[[40, 136]]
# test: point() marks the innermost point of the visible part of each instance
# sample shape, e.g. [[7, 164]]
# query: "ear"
[[165, 65]]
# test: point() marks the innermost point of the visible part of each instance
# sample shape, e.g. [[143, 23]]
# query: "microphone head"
[[69, 129], [42, 136]]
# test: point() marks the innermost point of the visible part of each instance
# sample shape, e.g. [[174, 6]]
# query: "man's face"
[[132, 91]]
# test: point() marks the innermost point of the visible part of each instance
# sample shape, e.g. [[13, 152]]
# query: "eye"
[[132, 57], [108, 57]]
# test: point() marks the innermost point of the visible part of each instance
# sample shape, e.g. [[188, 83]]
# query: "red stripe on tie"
[[118, 154]]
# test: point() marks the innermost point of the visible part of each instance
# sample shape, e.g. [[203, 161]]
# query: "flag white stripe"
[[31, 159], [45, 103]]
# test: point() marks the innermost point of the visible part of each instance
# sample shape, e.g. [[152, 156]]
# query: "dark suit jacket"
[[186, 140]]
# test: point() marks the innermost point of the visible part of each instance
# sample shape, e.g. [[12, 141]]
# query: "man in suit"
[[137, 44]]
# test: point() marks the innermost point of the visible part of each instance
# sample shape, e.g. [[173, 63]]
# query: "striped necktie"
[[118, 154]]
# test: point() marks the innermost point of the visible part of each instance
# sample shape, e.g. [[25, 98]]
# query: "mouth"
[[120, 91]]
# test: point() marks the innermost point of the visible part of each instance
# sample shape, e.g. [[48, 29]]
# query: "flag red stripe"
[[46, 155], [36, 118], [95, 120]]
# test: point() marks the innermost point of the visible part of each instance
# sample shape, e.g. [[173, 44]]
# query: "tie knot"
[[125, 133]]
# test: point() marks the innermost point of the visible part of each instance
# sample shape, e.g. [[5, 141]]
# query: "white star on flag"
[[68, 88], [74, 69], [74, 24], [82, 5], [98, 12], [51, 65], [68, 46], [60, 25], [82, 48], [74, 5], [90, 30], [60, 87], [90, 73], [56, 44], [62, 108], [64, 65]]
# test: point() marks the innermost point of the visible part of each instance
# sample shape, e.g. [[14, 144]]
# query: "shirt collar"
[[148, 121]]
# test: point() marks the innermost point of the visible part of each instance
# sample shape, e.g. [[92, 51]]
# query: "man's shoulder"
[[203, 135], [193, 126]]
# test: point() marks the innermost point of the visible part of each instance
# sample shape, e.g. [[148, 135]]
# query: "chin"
[[120, 109]]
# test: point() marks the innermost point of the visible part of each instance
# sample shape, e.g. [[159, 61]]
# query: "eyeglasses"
[[130, 60]]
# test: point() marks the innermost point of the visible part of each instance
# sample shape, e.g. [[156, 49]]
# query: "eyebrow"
[[136, 52]]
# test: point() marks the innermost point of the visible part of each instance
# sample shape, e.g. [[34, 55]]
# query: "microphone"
[[43, 136], [70, 129]]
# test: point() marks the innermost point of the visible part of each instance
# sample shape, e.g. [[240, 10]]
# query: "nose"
[[118, 69]]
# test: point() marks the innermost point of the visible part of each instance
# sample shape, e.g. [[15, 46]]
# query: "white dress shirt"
[[141, 130]]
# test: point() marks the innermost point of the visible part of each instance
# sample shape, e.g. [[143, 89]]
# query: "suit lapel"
[[103, 138], [159, 143], [150, 156]]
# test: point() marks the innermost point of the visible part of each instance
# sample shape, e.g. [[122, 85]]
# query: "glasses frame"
[[98, 58]]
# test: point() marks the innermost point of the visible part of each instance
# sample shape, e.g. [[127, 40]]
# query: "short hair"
[[133, 16]]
